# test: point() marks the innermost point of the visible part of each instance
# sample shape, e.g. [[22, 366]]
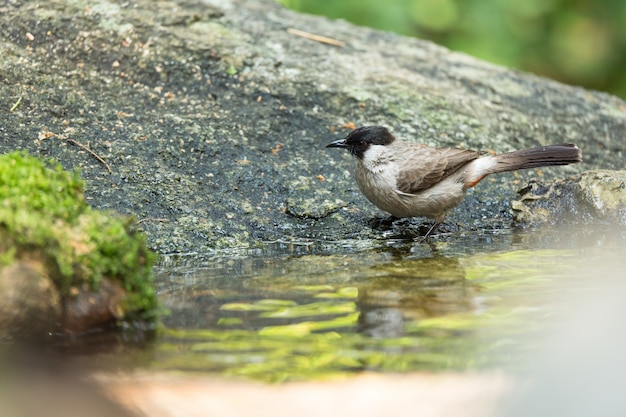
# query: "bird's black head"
[[359, 140]]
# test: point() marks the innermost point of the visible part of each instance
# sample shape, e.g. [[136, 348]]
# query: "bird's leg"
[[430, 231], [438, 221]]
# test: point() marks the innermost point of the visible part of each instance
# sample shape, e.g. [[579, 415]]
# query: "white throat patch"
[[376, 158]]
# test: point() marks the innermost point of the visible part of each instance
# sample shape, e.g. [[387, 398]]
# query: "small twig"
[[317, 38], [95, 155], [17, 103], [152, 219]]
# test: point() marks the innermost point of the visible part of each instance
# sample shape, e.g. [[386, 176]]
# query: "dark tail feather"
[[544, 156]]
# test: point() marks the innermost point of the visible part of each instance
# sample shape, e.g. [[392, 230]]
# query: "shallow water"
[[322, 309]]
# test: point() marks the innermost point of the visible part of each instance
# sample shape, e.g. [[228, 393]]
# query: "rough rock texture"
[[597, 196], [212, 116]]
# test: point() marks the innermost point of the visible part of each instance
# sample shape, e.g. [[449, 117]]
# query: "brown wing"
[[425, 166]]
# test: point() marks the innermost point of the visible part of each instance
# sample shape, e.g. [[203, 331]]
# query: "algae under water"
[[466, 303]]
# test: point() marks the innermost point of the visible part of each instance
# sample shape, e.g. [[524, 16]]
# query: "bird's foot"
[[430, 231], [383, 222]]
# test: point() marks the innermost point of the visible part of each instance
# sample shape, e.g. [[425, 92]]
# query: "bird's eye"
[[357, 147]]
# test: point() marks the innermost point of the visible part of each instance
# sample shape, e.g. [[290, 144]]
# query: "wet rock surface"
[[597, 196], [212, 116]]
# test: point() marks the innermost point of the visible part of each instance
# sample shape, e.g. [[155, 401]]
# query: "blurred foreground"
[[578, 371]]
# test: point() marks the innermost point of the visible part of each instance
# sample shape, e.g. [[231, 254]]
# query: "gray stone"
[[597, 196], [212, 115]]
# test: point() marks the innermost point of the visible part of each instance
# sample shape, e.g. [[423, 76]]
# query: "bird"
[[408, 179]]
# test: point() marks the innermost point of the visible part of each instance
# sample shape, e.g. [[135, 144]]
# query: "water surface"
[[296, 311]]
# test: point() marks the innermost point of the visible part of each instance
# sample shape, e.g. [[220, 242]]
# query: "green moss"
[[43, 211], [26, 182]]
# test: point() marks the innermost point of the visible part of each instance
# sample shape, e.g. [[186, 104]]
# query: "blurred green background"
[[580, 42]]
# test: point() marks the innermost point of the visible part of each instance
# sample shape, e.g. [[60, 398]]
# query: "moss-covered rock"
[[96, 261]]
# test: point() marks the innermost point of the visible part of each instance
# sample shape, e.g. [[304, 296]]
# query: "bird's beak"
[[339, 143]]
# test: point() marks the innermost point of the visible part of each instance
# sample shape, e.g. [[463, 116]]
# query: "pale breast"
[[376, 175]]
